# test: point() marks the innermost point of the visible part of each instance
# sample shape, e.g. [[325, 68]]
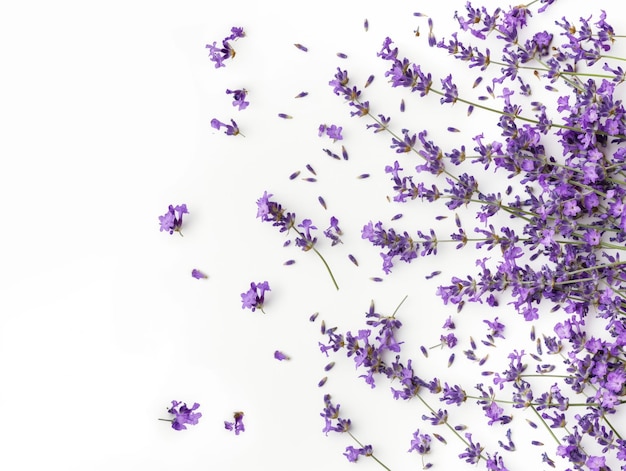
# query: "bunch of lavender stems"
[[536, 199], [552, 234]]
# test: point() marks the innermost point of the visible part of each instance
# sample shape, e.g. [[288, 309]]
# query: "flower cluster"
[[236, 425], [231, 129], [239, 98], [254, 298], [219, 54], [183, 415], [271, 211], [566, 232], [172, 221], [547, 242]]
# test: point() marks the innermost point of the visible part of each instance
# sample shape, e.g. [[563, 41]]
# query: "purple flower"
[[332, 421], [237, 425], [280, 356], [183, 415], [450, 340], [229, 129], [353, 453], [197, 274], [254, 298], [173, 219], [219, 54], [239, 98], [333, 232], [420, 443], [473, 452], [332, 131]]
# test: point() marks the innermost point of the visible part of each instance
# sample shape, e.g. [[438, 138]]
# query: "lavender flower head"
[[219, 54], [254, 298], [239, 98], [183, 415], [172, 221], [229, 129], [333, 131], [197, 274], [237, 425]]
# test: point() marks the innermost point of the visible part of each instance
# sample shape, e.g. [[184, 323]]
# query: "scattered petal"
[[294, 175], [289, 262], [285, 116], [363, 176], [310, 169], [280, 356], [301, 47], [197, 274], [341, 55], [322, 202], [322, 381], [302, 94], [353, 260]]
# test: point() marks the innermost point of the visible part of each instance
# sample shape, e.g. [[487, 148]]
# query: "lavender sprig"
[[270, 211]]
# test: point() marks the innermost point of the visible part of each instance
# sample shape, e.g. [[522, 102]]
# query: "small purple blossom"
[[172, 221], [225, 51], [239, 98], [229, 129], [254, 298], [280, 356], [353, 453], [197, 274], [237, 425], [333, 232], [183, 415], [333, 131], [420, 443]]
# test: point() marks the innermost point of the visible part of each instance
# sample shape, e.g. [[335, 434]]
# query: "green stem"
[[452, 429], [401, 303], [545, 424], [327, 268], [321, 258], [617, 58]]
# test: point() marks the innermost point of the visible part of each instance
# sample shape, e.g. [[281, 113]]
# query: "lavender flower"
[[183, 415], [229, 129], [332, 131], [271, 211], [239, 98], [219, 54], [254, 298], [280, 356], [172, 221], [197, 274], [237, 425], [353, 453]]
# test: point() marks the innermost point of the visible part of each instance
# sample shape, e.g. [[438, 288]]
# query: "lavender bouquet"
[[535, 199]]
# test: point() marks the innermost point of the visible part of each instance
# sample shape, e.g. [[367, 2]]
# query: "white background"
[[104, 121]]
